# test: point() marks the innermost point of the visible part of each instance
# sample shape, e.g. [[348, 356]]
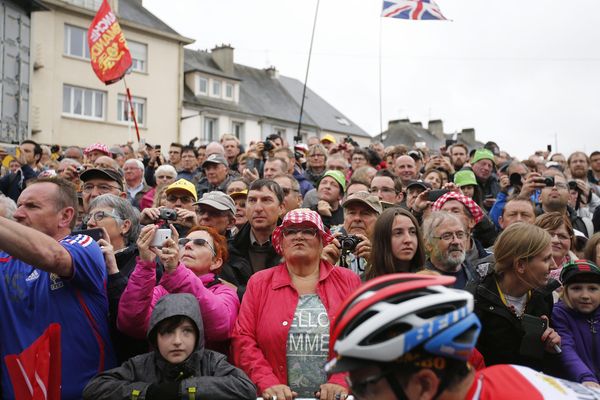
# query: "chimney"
[[272, 72], [397, 122], [223, 57], [467, 135], [436, 127], [417, 124]]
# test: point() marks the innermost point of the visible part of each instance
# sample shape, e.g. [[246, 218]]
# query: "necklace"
[[510, 306]]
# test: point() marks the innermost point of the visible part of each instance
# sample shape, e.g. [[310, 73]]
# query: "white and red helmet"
[[394, 314]]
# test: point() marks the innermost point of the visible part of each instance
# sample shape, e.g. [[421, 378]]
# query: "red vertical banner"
[[109, 53]]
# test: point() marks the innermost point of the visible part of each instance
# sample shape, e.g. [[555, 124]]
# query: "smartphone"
[[531, 343], [94, 233], [250, 163], [433, 195], [159, 237], [11, 151], [549, 147]]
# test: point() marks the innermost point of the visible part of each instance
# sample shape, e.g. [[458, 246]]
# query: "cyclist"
[[409, 336]]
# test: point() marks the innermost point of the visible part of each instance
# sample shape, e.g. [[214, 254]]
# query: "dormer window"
[[216, 88], [203, 86]]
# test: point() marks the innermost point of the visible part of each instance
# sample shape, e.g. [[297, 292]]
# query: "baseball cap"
[[418, 183], [117, 151], [328, 138], [483, 154], [108, 174], [215, 159], [581, 271], [464, 177], [338, 176], [365, 198], [241, 193], [97, 146], [218, 200], [183, 184]]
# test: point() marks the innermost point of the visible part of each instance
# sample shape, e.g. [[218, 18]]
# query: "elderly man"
[[471, 216], [217, 210], [483, 164], [216, 175], [517, 210], [74, 152], [360, 214], [264, 207], [406, 169], [231, 144], [445, 237], [136, 188], [97, 181], [295, 168], [49, 276]]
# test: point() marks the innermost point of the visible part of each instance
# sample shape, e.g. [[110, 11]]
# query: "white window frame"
[[239, 133], [205, 80], [229, 87], [71, 111], [210, 136], [68, 29], [138, 64], [279, 131], [213, 92], [139, 104]]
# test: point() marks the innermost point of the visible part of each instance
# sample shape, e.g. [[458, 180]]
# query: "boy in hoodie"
[[179, 367]]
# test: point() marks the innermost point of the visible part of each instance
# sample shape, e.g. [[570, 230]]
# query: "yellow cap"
[[183, 184], [328, 138]]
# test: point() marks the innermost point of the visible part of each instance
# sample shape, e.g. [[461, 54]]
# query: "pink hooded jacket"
[[219, 303]]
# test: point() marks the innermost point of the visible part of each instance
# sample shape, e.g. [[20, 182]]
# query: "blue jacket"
[[580, 337], [305, 185]]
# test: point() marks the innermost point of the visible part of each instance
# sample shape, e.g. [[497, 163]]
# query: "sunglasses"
[[171, 198], [197, 242]]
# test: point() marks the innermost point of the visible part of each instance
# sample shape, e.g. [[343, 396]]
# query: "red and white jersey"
[[515, 382]]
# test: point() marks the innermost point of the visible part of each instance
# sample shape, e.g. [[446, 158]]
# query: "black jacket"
[[501, 334], [204, 374], [237, 270]]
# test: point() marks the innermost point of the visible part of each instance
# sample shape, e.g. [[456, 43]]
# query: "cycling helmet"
[[397, 313]]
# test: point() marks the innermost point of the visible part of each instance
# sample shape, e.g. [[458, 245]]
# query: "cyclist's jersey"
[[516, 382]]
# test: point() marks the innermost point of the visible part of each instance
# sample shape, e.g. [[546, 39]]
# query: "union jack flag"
[[412, 9]]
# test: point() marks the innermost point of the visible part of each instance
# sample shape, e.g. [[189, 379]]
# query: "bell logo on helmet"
[[433, 327]]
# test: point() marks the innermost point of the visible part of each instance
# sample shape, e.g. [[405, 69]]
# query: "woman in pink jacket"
[[281, 337], [190, 266]]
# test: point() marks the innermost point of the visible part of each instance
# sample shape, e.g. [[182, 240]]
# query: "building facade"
[[221, 97], [71, 106]]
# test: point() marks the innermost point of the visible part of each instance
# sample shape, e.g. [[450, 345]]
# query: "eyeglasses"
[[447, 236], [197, 242], [306, 232], [99, 216], [287, 191], [185, 199], [360, 388], [382, 190], [560, 236], [102, 188]]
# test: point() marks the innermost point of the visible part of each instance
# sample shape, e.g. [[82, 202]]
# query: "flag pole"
[[380, 86], [298, 136], [131, 109]]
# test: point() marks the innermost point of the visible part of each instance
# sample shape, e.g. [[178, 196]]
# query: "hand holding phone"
[[94, 233], [531, 343]]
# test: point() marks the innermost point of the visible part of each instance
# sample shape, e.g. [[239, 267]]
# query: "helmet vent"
[[440, 309], [389, 332]]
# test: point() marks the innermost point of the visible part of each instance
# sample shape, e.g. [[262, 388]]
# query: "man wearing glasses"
[[97, 181], [445, 238], [387, 187]]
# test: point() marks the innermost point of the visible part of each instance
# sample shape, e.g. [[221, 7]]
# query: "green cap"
[[338, 176], [483, 154], [465, 177]]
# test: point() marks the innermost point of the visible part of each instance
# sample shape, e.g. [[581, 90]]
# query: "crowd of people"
[[308, 270]]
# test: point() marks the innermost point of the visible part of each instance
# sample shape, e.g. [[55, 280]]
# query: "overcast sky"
[[522, 73]]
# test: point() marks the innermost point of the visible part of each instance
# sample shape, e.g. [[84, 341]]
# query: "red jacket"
[[261, 331]]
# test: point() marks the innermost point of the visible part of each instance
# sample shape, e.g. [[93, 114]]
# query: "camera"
[[549, 181], [515, 179], [167, 214], [80, 169], [573, 186], [348, 243], [268, 145]]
